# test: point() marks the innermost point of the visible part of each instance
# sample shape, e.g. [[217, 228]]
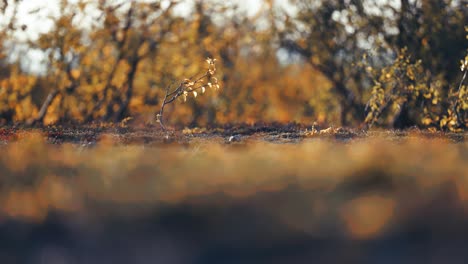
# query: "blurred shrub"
[[297, 64], [403, 95], [15, 97], [332, 36]]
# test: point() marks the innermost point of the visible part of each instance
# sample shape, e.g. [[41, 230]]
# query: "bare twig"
[[462, 80], [186, 87], [457, 102], [45, 106], [161, 112]]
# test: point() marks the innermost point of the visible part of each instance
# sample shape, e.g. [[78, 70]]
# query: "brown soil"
[[230, 134]]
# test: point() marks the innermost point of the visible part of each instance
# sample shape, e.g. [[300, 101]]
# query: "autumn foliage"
[[331, 62]]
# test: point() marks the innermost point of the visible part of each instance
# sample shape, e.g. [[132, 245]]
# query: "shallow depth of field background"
[[393, 64], [338, 133]]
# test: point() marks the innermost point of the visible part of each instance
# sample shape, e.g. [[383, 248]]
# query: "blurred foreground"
[[371, 199]]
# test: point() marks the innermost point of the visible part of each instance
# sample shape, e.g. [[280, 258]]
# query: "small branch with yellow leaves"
[[191, 86]]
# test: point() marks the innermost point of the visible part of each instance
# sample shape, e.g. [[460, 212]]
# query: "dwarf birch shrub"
[[406, 93], [403, 94], [456, 118]]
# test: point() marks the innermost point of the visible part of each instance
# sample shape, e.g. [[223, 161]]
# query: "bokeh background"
[[340, 62]]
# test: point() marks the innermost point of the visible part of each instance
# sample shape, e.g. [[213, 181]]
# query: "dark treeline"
[[341, 62]]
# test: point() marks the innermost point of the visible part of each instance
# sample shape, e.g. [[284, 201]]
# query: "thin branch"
[[457, 102], [45, 106], [161, 112], [185, 87], [462, 80]]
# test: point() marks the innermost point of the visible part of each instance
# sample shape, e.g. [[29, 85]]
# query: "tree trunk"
[[120, 114], [45, 106], [402, 120], [349, 104]]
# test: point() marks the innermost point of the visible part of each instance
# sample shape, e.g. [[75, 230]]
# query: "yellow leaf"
[[75, 73]]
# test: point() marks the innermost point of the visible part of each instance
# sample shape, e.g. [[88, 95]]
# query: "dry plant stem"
[[176, 93], [45, 106], [169, 97], [462, 80], [161, 112], [455, 106]]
